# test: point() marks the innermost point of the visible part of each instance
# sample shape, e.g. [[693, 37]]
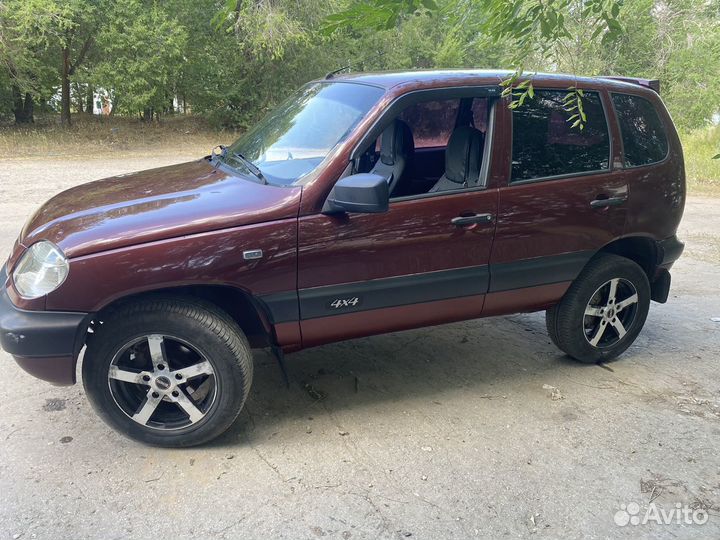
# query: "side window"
[[450, 135], [643, 133], [545, 144], [480, 112], [431, 122]]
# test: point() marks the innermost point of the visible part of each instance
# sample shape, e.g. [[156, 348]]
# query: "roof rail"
[[653, 84]]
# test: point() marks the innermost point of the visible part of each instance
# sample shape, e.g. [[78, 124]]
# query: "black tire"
[[551, 324], [202, 329], [573, 331]]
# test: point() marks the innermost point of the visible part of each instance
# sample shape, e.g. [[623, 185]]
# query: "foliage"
[[699, 146], [230, 60], [140, 81], [527, 28]]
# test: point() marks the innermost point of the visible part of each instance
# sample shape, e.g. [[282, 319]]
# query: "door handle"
[[461, 221], [603, 202]]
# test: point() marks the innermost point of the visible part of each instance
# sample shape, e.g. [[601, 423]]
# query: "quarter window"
[[643, 134], [545, 143]]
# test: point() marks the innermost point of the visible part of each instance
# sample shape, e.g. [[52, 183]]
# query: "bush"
[[699, 146]]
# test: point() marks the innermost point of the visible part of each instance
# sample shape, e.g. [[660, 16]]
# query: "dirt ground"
[[476, 429]]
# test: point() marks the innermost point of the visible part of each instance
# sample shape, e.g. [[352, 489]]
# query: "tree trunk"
[[29, 108], [22, 108], [148, 114], [89, 100], [65, 88], [80, 99]]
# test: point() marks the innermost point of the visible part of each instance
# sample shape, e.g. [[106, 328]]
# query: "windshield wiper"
[[250, 165], [222, 156]]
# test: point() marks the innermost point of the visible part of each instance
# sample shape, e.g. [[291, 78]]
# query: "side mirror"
[[362, 193]]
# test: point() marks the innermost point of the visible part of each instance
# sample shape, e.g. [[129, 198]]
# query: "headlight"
[[41, 270]]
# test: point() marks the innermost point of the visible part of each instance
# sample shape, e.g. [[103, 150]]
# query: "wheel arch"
[[245, 309], [642, 250]]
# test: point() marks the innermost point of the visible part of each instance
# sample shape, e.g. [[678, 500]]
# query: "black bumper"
[[42, 342], [668, 251]]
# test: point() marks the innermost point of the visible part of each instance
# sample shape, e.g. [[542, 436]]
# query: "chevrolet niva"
[[363, 204]]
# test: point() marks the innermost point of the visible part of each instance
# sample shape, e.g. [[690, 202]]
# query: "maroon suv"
[[363, 204]]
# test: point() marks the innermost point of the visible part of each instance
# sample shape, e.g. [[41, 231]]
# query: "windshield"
[[294, 139]]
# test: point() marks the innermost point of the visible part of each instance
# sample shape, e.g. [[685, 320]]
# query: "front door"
[[423, 262], [362, 274]]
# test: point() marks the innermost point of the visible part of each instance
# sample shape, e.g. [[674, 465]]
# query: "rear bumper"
[[43, 343], [668, 251]]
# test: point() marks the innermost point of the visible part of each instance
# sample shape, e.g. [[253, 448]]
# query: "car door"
[[415, 265], [563, 199]]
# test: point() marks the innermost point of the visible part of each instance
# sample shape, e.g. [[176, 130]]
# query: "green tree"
[[142, 47], [25, 65]]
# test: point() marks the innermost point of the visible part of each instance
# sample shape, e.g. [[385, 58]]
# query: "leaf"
[[716, 156]]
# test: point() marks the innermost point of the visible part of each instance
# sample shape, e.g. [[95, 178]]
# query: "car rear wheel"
[[603, 311], [169, 372]]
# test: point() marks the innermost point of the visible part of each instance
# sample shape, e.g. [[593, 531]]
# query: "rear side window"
[[643, 133], [546, 144], [431, 122]]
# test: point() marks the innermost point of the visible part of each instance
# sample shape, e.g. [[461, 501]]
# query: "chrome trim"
[[252, 254]]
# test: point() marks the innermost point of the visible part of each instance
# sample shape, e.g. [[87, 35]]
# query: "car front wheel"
[[169, 372], [603, 311]]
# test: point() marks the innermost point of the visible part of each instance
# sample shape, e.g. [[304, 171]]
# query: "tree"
[[530, 30], [46, 28], [142, 48], [24, 61]]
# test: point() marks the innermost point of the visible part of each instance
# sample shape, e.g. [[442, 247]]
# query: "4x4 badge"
[[340, 303]]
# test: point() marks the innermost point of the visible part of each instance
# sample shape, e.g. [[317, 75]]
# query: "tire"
[[592, 326], [168, 371], [551, 324]]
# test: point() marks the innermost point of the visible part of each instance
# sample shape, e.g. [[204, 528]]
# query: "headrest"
[[462, 155], [397, 140]]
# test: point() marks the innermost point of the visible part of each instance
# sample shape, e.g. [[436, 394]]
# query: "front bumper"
[[43, 343]]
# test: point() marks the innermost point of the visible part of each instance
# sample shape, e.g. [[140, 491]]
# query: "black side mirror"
[[363, 193]]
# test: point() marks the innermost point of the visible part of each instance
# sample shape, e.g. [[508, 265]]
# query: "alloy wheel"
[[610, 313], [162, 382]]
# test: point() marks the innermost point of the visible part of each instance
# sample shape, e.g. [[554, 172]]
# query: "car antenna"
[[333, 73]]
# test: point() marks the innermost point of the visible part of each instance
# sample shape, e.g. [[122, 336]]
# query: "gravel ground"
[[475, 429]]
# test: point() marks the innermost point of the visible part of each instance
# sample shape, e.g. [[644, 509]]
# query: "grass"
[[703, 172], [95, 136]]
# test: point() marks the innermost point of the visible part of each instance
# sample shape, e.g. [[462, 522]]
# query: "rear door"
[[563, 199]]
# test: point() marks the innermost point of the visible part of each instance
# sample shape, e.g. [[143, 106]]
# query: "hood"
[[154, 205]]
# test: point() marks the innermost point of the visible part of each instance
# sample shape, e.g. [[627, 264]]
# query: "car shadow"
[[358, 381], [490, 357]]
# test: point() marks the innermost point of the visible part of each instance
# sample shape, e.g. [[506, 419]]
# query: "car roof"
[[447, 77]]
